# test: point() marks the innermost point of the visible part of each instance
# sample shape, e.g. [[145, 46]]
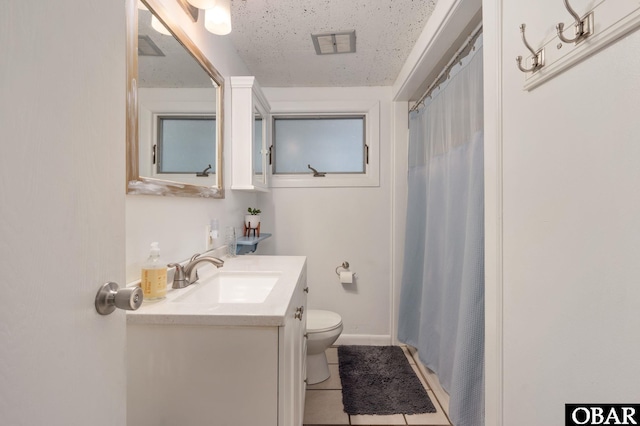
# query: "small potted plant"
[[252, 218]]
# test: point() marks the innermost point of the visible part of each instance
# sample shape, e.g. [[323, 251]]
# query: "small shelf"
[[246, 245]]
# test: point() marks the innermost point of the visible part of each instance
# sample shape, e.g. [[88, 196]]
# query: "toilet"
[[323, 329]]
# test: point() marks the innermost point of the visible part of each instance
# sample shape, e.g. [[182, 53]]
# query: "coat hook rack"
[[537, 59], [584, 27]]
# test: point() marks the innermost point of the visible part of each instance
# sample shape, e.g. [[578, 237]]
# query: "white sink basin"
[[231, 287]]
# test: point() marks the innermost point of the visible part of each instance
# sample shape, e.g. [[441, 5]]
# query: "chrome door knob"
[[109, 298]]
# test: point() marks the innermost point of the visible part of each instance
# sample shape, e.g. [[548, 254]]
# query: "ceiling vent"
[[146, 47], [331, 43]]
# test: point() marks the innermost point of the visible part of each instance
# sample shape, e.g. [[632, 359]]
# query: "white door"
[[62, 155]]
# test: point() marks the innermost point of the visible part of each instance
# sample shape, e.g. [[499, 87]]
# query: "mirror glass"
[[176, 147]]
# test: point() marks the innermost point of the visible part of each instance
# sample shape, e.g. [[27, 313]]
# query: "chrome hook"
[[537, 58], [582, 26]]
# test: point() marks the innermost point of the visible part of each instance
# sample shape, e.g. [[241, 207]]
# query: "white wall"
[[563, 201], [178, 223], [332, 225]]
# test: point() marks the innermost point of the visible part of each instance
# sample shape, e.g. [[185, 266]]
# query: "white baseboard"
[[433, 381], [364, 339]]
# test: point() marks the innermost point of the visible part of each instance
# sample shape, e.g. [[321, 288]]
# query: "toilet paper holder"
[[345, 266]]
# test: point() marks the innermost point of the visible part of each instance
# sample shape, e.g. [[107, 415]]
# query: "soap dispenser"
[[154, 275]]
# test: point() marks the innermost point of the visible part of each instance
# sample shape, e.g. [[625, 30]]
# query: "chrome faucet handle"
[[179, 280]]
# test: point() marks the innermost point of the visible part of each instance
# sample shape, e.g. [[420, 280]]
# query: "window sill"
[[328, 181]]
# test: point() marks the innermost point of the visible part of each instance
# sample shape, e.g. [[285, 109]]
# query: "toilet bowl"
[[323, 329]]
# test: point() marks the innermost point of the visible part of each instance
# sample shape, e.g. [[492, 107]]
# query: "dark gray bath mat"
[[380, 380]]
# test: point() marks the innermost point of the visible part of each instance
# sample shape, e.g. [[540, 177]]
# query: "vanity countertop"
[[270, 312]]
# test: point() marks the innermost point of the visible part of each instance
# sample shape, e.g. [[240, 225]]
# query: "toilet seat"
[[319, 321]]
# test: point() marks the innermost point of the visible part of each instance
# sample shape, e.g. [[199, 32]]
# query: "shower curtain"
[[442, 296]]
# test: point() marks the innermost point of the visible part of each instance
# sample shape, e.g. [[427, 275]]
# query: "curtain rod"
[[444, 74]]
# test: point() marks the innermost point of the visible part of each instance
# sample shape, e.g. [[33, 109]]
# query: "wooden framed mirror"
[[175, 115]]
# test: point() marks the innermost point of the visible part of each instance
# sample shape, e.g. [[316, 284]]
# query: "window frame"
[[167, 101], [370, 110], [158, 140]]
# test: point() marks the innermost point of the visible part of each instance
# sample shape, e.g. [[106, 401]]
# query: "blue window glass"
[[328, 144]]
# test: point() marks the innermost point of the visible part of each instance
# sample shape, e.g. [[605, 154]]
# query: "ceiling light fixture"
[[159, 26], [331, 43], [218, 19], [203, 4], [217, 15]]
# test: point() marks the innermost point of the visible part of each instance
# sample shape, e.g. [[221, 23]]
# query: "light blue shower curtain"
[[442, 297]]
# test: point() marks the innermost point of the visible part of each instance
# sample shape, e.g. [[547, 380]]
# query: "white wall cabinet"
[[250, 135], [195, 375]]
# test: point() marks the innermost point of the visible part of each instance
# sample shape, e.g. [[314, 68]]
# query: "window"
[[328, 144], [338, 139], [185, 144]]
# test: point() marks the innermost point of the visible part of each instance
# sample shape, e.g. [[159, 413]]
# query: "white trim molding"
[[364, 339], [441, 37], [493, 201]]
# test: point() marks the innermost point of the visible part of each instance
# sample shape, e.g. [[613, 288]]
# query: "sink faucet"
[[188, 274]]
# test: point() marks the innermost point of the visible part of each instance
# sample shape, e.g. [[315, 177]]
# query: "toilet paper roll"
[[346, 277]]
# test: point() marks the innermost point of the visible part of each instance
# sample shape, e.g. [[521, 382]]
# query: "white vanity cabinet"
[[192, 370], [292, 362], [250, 135]]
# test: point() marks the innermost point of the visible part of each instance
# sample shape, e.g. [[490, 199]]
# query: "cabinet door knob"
[[299, 312], [109, 298], [306, 290]]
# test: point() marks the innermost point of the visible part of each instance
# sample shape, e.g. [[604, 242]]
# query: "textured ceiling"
[[274, 39]]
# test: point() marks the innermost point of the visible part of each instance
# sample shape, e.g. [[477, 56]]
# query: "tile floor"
[[323, 404]]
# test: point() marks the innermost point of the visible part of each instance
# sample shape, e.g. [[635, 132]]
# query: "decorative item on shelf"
[[252, 222]]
